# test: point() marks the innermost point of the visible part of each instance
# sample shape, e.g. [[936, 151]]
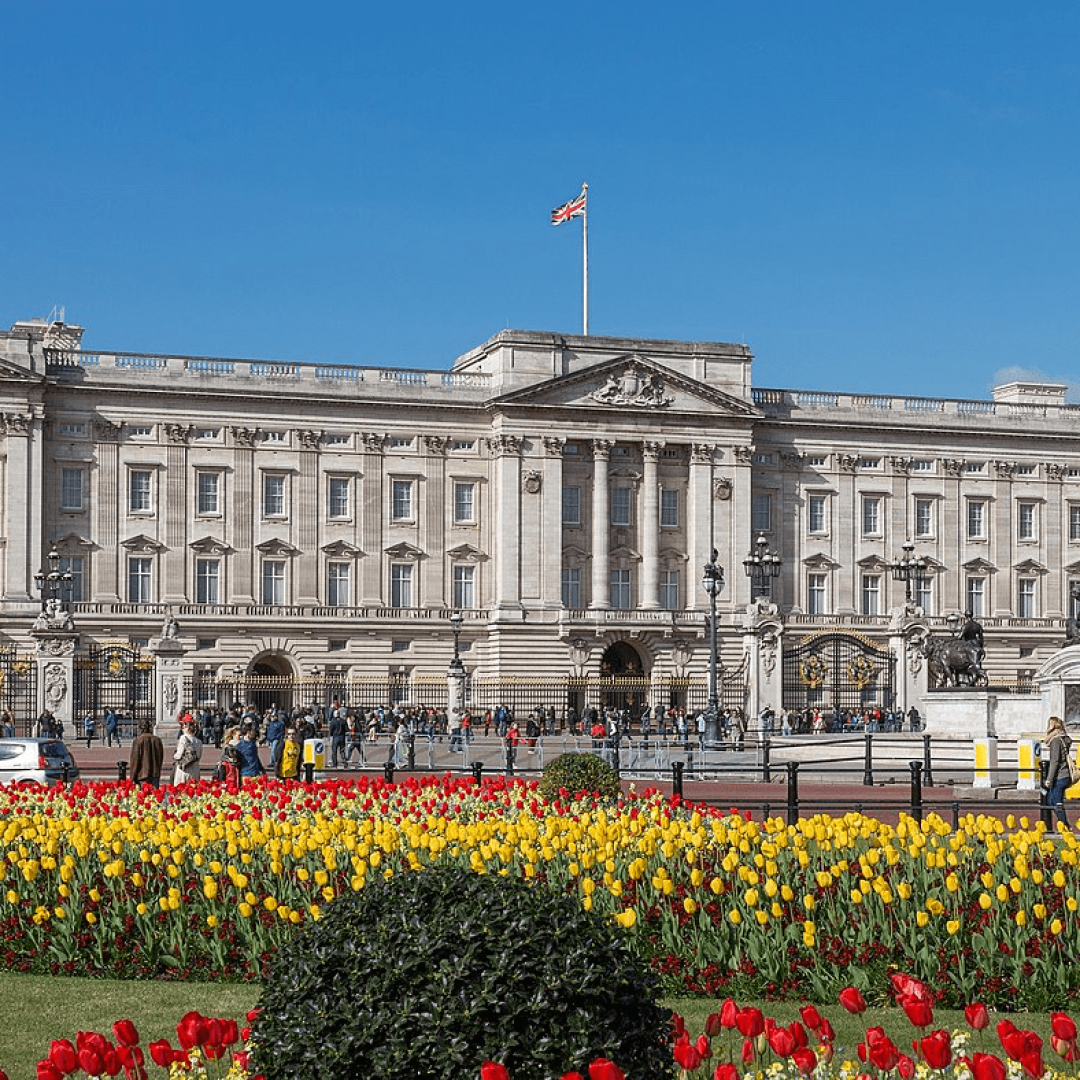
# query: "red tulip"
[[880, 1049], [910, 989], [1065, 1048], [976, 1016], [704, 1047], [987, 1067], [193, 1030], [90, 1061], [906, 1067], [63, 1055], [798, 1033], [162, 1053], [492, 1070], [713, 1026], [572, 1076], [781, 1041], [725, 1071], [125, 1033], [936, 1049], [750, 1022], [748, 1054], [811, 1017], [1032, 1063], [687, 1056], [1004, 1027], [852, 1000], [1063, 1026], [1018, 1043], [825, 1032], [804, 1060], [918, 1012], [602, 1069], [46, 1070], [728, 1012], [678, 1027]]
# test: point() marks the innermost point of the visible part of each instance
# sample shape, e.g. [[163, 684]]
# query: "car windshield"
[[54, 749]]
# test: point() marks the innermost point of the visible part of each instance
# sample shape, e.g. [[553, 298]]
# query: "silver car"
[[35, 761]]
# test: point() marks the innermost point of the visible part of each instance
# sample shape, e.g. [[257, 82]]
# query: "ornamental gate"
[[116, 677], [18, 687], [837, 670]]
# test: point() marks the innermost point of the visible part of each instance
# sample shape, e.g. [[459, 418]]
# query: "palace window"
[[924, 518], [871, 594], [1025, 598], [338, 498], [464, 504], [669, 590], [816, 519], [571, 587], [1074, 521], [207, 581], [761, 513], [571, 506], [669, 508], [139, 486], [871, 516], [620, 506], [1025, 521], [401, 500], [816, 595], [975, 592], [923, 593], [401, 585], [273, 581], [71, 489], [621, 590], [976, 519], [273, 495], [208, 498], [75, 565], [140, 580], [464, 592], [337, 584]]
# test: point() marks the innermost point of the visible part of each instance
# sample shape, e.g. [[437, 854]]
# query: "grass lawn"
[[40, 1008]]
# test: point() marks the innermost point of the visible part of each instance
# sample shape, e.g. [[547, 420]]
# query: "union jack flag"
[[572, 209]]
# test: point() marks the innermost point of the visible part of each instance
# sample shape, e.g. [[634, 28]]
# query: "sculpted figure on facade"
[[170, 628], [373, 443], [107, 431], [309, 439], [636, 387], [531, 481], [504, 445], [436, 444], [56, 687], [744, 455], [722, 488], [553, 446], [17, 423]]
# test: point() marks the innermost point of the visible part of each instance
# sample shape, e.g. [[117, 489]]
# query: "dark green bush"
[[433, 972], [578, 772]]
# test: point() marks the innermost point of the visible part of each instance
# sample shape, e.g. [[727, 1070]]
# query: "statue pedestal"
[[56, 675], [168, 682], [961, 714]]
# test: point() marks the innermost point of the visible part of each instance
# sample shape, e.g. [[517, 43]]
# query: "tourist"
[[187, 754], [112, 728], [147, 755], [1056, 749], [247, 750], [288, 765], [88, 729]]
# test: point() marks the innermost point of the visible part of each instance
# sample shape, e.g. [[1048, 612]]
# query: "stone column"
[[455, 692], [373, 512], [650, 526], [763, 642], [508, 539], [699, 522], [23, 548], [240, 517], [307, 501], [551, 533], [168, 682], [598, 593]]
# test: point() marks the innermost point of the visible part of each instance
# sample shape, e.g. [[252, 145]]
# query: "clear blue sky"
[[873, 195]]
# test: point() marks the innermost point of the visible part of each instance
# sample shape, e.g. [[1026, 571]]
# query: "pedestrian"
[[7, 722], [1059, 776], [88, 729], [247, 750], [187, 754], [112, 728], [147, 755], [338, 730], [288, 765], [275, 737]]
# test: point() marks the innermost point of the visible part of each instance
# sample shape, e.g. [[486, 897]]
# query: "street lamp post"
[[908, 569], [712, 578], [54, 586], [455, 680], [238, 674], [456, 620], [761, 564]]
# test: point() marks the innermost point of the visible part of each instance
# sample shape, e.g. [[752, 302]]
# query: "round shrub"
[[431, 973], [578, 772]]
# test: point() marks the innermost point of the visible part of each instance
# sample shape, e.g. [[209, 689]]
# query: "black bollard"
[[792, 792], [766, 764], [477, 771], [412, 751], [868, 762], [928, 772], [309, 771], [388, 772], [916, 789], [676, 778], [509, 758], [1046, 813], [121, 771], [65, 774]]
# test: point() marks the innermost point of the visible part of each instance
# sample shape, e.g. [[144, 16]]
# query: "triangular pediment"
[[277, 548], [210, 545], [630, 383], [466, 553], [342, 549], [625, 552], [572, 554], [820, 562], [405, 551], [1030, 566], [873, 562], [72, 542], [980, 566], [142, 544]]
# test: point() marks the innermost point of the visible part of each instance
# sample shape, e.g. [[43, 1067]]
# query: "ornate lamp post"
[[712, 578], [908, 569], [54, 586], [455, 677], [762, 564], [238, 674], [456, 620]]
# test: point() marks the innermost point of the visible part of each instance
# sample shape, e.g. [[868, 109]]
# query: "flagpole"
[[585, 254]]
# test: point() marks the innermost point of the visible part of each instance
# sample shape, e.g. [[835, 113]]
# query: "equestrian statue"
[[956, 660]]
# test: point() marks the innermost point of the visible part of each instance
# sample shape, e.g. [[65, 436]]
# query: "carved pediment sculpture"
[[405, 551], [466, 553], [342, 549], [277, 549], [637, 387], [142, 544], [210, 545]]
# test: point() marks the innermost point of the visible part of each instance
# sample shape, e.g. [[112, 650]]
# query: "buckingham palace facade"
[[322, 521]]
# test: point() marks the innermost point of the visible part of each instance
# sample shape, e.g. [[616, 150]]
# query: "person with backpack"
[[1061, 771]]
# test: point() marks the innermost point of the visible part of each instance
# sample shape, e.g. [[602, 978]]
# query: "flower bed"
[[198, 882]]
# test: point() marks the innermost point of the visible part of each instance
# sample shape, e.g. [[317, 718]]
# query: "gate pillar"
[[168, 681], [906, 631], [763, 632], [56, 675]]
